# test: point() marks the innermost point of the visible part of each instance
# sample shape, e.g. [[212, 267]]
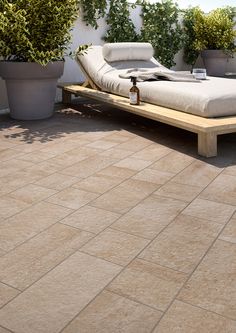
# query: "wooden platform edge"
[[207, 129]]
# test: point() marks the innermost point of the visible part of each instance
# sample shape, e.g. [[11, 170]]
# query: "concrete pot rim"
[[209, 53]]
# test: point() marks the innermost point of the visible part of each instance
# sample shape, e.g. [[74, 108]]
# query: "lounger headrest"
[[127, 51]]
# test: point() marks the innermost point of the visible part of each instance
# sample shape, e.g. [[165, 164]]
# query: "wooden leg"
[[66, 97], [207, 144]]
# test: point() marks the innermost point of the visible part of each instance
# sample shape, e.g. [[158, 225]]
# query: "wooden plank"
[[207, 144]]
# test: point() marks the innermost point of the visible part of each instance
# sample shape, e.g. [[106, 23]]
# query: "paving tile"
[[115, 153], [197, 174], [125, 196], [8, 154], [91, 219], [89, 166], [37, 156], [8, 167], [210, 210], [153, 176], [230, 170], [135, 144], [184, 318], [133, 163], [59, 296], [114, 171], [152, 153], [74, 156], [173, 162], [28, 223], [182, 244], [3, 330], [212, 286], [148, 283], [118, 137], [32, 193], [57, 181], [150, 216], [102, 144], [115, 246], [10, 206], [112, 313], [179, 191], [229, 233], [222, 189], [7, 293], [98, 183], [72, 198], [31, 260]]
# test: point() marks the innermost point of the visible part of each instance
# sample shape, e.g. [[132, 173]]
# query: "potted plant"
[[34, 35], [212, 35]]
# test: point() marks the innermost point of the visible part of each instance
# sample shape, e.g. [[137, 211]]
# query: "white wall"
[[83, 34]]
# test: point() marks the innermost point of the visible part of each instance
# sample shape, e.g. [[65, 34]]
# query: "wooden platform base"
[[206, 128]]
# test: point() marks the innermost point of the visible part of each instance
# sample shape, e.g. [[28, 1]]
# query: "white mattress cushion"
[[127, 51], [214, 97]]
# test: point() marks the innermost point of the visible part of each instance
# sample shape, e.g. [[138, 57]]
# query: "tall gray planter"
[[31, 88], [215, 62]]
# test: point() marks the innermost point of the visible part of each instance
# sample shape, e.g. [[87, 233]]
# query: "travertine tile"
[[8, 154], [124, 196], [102, 144], [115, 246], [222, 189], [152, 153], [182, 244], [91, 219], [210, 210], [184, 318], [115, 153], [230, 170], [153, 176], [59, 296], [112, 313], [72, 198], [31, 260], [179, 191], [229, 233], [37, 156], [212, 286], [28, 223], [197, 174], [89, 166], [135, 144], [57, 181], [32, 193], [132, 163], [118, 137], [10, 206], [13, 165], [3, 330], [148, 283], [6, 294], [98, 183], [150, 216], [173, 162], [74, 156], [114, 171]]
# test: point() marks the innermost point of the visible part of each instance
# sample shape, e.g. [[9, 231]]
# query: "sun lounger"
[[207, 107]]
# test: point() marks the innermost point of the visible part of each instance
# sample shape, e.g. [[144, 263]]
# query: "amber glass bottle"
[[134, 93]]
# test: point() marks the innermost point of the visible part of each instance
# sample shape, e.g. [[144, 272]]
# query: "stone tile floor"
[[112, 223]]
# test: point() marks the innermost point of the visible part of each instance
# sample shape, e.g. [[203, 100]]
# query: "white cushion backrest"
[[127, 51]]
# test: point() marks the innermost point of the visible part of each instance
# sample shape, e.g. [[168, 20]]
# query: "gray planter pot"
[[31, 88], [215, 62]]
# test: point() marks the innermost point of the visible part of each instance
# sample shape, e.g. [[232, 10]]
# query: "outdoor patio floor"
[[112, 223]]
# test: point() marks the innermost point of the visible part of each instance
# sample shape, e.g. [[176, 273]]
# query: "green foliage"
[[162, 29], [121, 27], [36, 30], [190, 53], [214, 31], [93, 10]]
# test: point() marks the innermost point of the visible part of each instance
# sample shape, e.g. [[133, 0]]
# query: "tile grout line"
[[190, 276]]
